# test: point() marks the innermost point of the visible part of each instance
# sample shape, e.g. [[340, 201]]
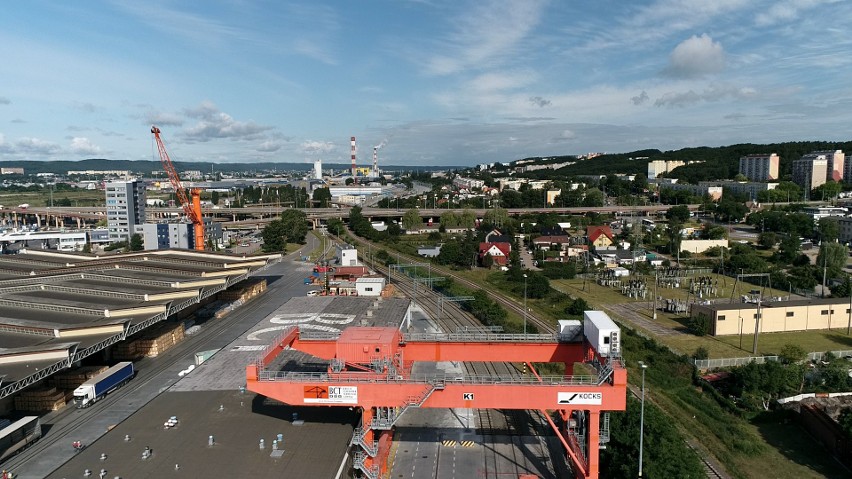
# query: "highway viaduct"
[[254, 216]]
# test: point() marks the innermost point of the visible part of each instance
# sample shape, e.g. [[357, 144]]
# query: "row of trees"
[[292, 227]]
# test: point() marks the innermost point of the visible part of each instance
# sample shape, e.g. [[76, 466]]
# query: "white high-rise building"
[[318, 169], [760, 167], [125, 202]]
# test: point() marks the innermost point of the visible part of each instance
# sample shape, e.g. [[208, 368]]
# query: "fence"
[[731, 362]]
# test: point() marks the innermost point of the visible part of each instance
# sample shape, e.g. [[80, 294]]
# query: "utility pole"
[[757, 323], [642, 417], [525, 304]]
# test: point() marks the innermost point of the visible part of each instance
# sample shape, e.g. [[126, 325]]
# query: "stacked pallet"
[[40, 399], [125, 351], [389, 291], [156, 342], [151, 342], [69, 380], [245, 290]]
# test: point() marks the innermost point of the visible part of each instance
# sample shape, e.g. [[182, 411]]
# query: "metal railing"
[[290, 376], [482, 337], [731, 362]]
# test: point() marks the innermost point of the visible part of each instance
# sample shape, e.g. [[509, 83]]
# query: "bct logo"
[[589, 398]]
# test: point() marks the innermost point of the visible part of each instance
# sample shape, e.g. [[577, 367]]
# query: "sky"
[[430, 82]]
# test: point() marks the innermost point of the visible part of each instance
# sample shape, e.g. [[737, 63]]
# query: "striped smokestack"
[[375, 162], [354, 172]]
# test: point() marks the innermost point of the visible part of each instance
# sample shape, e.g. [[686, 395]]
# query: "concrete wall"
[[700, 246]]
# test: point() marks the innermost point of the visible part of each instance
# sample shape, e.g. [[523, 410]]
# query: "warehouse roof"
[[57, 308], [775, 304]]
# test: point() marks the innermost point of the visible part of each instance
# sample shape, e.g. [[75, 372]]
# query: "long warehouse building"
[[59, 308]]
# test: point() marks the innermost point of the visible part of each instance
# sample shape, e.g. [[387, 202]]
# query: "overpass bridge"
[[257, 216]]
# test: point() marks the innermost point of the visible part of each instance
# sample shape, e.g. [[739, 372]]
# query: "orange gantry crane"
[[192, 209], [370, 368]]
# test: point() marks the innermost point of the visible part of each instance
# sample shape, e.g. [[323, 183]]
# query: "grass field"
[[76, 197]]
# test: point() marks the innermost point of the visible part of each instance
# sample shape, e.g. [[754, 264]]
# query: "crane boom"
[[191, 208]]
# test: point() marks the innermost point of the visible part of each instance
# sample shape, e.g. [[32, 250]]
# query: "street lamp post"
[[525, 304], [642, 417]]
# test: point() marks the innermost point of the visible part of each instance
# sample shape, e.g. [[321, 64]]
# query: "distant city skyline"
[[431, 82]]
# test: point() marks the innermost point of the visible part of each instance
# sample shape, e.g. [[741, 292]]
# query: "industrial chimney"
[[354, 172]]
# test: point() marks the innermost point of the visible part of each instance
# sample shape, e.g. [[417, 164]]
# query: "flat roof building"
[[125, 203], [762, 167], [775, 316]]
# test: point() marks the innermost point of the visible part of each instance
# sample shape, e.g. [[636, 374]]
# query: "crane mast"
[[191, 208]]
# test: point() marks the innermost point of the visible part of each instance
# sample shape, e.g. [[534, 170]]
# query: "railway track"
[[504, 300]]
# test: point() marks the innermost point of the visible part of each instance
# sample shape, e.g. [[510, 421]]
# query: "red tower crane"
[[192, 209], [370, 368]]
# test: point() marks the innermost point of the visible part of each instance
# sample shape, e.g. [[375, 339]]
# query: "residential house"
[[497, 236], [600, 236], [499, 252], [555, 242]]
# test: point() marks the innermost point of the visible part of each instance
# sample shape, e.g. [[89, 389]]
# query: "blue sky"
[[434, 82]]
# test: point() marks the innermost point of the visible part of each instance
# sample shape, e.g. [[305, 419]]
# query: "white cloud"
[[785, 11], [311, 146], [29, 146], [84, 146], [711, 94], [213, 123], [489, 32], [162, 118], [269, 146], [566, 135], [695, 57]]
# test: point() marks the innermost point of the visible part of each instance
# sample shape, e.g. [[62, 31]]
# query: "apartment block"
[[762, 167], [125, 202], [660, 167], [835, 159], [810, 172]]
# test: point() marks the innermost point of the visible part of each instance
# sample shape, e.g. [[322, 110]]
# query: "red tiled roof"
[[504, 248], [594, 232]]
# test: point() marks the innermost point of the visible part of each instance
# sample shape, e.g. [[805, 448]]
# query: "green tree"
[[829, 229], [136, 243], [322, 196], [767, 239], [715, 232], [845, 421], [467, 219], [832, 257], [214, 197], [826, 191], [792, 353], [679, 213], [789, 249], [594, 197], [449, 219], [411, 220], [450, 253], [538, 286], [274, 237], [295, 223], [497, 217], [842, 290], [577, 307]]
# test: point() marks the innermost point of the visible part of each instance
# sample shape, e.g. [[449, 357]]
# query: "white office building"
[[125, 202]]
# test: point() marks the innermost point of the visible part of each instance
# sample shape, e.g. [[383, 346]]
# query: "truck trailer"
[[99, 386], [17, 436]]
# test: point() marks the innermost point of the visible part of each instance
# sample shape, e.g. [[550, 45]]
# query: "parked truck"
[[16, 436], [99, 386]]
